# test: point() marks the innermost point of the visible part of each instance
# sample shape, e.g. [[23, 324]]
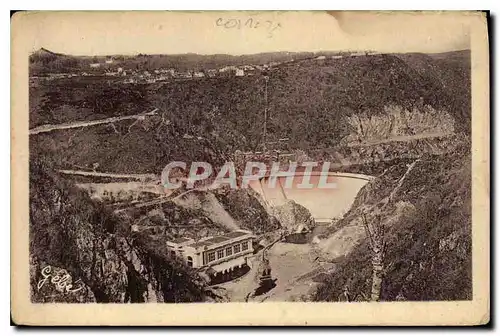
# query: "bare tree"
[[375, 231]]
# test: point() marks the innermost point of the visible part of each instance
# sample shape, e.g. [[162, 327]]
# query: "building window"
[[211, 256], [220, 254], [244, 246], [190, 261], [229, 250], [237, 248]]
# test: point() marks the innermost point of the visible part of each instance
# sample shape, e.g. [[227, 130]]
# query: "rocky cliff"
[[75, 238]]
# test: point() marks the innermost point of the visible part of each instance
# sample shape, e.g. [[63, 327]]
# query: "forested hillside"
[[428, 234], [312, 102]]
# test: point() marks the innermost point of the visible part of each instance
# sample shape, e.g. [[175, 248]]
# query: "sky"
[[112, 33]]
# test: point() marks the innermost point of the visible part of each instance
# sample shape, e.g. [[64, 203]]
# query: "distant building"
[[109, 61], [358, 53], [149, 229], [228, 68], [219, 256], [199, 74], [186, 74], [95, 65], [320, 57], [211, 72], [240, 72]]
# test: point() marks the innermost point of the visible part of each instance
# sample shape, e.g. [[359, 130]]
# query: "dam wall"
[[324, 203]]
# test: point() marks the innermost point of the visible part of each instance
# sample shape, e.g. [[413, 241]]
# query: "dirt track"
[[78, 124]]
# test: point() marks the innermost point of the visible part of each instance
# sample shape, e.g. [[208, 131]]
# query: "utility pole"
[[266, 78]]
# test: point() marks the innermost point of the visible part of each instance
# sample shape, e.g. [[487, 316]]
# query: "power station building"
[[221, 257]]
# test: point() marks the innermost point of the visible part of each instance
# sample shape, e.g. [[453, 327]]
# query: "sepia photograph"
[[204, 169]]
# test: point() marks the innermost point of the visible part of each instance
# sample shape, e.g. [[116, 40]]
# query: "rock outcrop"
[[294, 218]]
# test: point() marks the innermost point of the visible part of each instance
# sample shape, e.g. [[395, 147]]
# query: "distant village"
[[112, 68]]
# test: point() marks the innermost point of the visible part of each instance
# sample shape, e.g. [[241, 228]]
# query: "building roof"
[[235, 234], [220, 239]]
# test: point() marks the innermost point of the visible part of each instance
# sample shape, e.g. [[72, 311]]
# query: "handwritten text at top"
[[269, 26]]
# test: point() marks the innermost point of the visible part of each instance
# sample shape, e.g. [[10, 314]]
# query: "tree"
[[375, 231]]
